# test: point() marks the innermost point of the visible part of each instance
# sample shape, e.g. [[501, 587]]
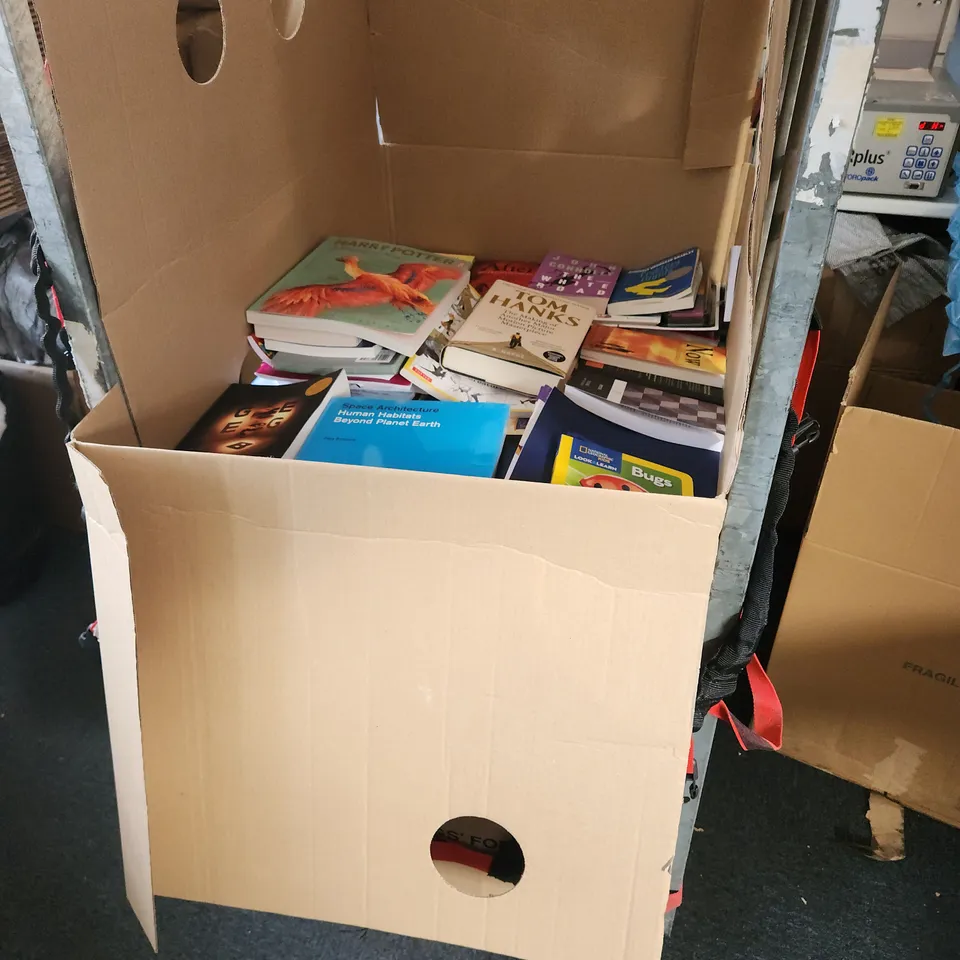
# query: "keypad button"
[[933, 164], [927, 138], [904, 174], [921, 163], [930, 175], [936, 152], [917, 174], [924, 151], [908, 161], [911, 151]]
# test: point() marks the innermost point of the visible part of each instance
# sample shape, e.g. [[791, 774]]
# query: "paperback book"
[[669, 284], [519, 339], [588, 281], [386, 293], [557, 415], [611, 378], [646, 399], [264, 421], [680, 356], [426, 435]]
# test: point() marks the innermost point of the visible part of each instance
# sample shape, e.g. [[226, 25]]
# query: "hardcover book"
[[676, 355], [387, 293], [428, 435], [264, 421], [519, 339], [669, 284], [588, 281], [582, 463]]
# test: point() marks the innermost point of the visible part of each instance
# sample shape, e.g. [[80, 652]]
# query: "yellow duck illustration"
[[652, 288]]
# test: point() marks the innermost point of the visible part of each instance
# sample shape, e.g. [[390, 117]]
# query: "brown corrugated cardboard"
[[909, 350], [594, 79], [337, 735], [310, 668], [867, 656]]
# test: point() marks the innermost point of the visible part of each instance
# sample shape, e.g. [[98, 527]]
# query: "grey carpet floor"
[[775, 873]]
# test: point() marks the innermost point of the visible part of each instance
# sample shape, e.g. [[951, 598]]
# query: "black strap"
[[719, 677], [55, 340]]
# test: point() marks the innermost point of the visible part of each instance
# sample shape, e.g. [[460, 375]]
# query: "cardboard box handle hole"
[[478, 857], [287, 16], [200, 38]]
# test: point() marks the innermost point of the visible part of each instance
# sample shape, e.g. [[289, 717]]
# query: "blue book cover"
[[434, 436], [560, 416], [657, 287]]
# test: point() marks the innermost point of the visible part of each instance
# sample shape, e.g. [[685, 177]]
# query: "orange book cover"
[[681, 353]]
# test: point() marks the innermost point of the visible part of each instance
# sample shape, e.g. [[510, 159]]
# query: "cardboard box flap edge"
[[861, 369], [118, 657], [140, 480], [725, 74]]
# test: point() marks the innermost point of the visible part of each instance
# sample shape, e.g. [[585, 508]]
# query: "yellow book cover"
[[681, 353]]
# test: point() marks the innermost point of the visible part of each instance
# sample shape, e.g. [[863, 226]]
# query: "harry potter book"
[[262, 421], [387, 293]]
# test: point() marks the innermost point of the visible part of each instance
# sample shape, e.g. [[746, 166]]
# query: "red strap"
[[674, 900], [446, 851], [691, 762], [766, 730], [807, 362]]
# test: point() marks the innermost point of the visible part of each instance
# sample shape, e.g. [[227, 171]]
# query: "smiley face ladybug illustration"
[[603, 481]]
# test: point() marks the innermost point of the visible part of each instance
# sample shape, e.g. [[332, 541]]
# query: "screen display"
[[932, 125]]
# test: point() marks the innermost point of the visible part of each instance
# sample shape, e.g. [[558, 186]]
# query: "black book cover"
[[261, 421], [560, 415], [598, 379]]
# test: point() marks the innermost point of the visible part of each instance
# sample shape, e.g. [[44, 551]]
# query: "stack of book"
[[571, 371]]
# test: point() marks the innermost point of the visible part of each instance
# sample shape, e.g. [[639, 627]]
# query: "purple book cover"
[[588, 280]]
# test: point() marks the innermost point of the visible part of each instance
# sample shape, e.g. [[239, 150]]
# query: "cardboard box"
[[911, 349], [867, 656], [309, 668]]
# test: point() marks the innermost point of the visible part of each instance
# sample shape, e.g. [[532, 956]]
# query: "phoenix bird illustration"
[[405, 289]]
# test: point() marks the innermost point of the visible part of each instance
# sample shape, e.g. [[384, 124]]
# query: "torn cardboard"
[[306, 673], [886, 829], [867, 655]]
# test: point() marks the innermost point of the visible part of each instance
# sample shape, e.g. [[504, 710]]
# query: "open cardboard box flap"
[[867, 655], [195, 198], [309, 668], [307, 723]]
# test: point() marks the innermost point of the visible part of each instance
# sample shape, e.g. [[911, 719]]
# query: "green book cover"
[[381, 286]]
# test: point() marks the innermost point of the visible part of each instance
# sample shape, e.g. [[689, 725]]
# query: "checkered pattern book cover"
[[671, 407]]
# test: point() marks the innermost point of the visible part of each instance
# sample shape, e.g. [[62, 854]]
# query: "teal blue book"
[[387, 293], [434, 436]]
